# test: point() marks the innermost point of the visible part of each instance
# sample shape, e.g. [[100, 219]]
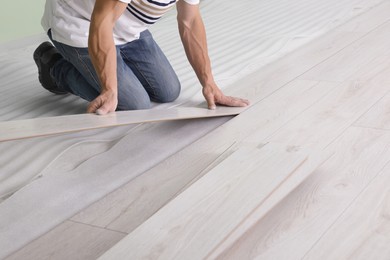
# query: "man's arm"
[[102, 51], [193, 36]]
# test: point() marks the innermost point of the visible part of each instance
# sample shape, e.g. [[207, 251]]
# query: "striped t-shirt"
[[69, 19]]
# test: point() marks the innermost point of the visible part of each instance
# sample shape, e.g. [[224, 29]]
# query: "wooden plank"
[[207, 212], [323, 122], [70, 240], [132, 204], [368, 20], [290, 229], [300, 175], [340, 67], [28, 128], [363, 231], [378, 116]]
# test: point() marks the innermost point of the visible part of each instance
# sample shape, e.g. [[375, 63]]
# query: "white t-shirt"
[[69, 19]]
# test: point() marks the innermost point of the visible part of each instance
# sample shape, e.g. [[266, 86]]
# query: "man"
[[105, 54]]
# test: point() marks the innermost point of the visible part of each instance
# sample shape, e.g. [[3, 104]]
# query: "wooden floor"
[[302, 174]]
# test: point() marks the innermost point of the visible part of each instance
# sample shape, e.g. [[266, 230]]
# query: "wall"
[[20, 18]]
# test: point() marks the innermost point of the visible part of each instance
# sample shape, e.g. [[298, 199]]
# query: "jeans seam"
[[87, 68]]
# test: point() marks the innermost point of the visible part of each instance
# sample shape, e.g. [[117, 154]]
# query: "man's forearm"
[[193, 36], [102, 51]]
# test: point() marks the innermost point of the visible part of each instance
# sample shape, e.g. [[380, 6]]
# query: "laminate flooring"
[[330, 97]]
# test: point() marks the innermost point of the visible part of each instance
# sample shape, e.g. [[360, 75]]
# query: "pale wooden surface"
[[345, 83], [364, 227], [378, 115], [207, 212], [28, 128], [70, 240], [136, 200], [292, 228]]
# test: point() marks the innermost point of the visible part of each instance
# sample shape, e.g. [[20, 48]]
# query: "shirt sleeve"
[[192, 2], [125, 1]]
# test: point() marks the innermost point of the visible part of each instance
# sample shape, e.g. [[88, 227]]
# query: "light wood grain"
[[203, 215], [363, 231], [70, 240], [166, 183], [135, 202], [378, 116], [368, 20], [313, 161], [322, 123], [341, 66], [290, 229], [19, 129], [132, 204]]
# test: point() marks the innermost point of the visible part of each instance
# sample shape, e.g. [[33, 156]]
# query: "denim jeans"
[[144, 74]]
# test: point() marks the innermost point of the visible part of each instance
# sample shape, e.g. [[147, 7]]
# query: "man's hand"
[[214, 96], [105, 103]]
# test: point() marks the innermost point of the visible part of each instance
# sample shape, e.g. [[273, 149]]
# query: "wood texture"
[[207, 212], [19, 129], [369, 20], [324, 122], [145, 195], [378, 116], [290, 229], [345, 63], [363, 230], [70, 240], [132, 204]]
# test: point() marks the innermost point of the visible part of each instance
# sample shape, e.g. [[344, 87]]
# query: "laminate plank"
[[283, 190], [322, 123], [378, 116], [291, 228], [368, 20], [363, 231], [70, 240], [340, 67], [19, 129], [191, 225], [132, 204]]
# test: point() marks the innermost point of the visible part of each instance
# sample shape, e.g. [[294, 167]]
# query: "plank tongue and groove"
[[200, 218], [28, 128]]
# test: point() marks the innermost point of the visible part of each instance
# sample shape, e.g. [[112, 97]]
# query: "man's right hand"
[[105, 103]]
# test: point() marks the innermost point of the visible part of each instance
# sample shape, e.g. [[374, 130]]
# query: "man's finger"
[[233, 102], [103, 110], [211, 102], [92, 107]]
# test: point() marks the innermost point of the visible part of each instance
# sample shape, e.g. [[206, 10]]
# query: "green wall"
[[19, 19]]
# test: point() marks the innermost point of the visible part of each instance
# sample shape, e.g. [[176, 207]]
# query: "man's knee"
[[169, 94]]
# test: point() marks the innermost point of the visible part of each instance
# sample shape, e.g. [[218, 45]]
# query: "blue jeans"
[[144, 73]]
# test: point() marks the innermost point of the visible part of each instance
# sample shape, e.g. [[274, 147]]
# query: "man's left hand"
[[214, 96]]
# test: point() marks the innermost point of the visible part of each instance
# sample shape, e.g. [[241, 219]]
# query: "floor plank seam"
[[207, 169], [346, 208], [95, 226], [353, 123], [212, 251], [302, 112], [371, 107], [370, 127], [346, 46]]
